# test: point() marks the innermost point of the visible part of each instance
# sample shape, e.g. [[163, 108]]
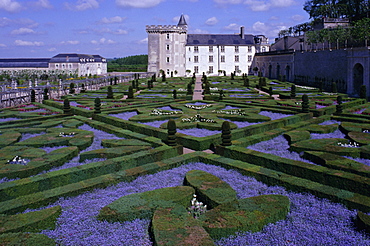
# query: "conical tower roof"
[[182, 21]]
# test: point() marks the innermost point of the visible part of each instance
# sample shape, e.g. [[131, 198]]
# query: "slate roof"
[[74, 58], [24, 62], [220, 39], [182, 21]]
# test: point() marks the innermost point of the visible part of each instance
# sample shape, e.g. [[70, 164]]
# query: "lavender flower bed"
[[361, 160], [168, 108], [197, 132], [26, 136], [96, 144], [241, 124], [230, 107], [8, 119], [5, 179], [274, 116], [152, 95], [277, 146], [311, 221], [236, 89], [330, 122], [336, 134], [246, 95], [156, 123], [124, 115]]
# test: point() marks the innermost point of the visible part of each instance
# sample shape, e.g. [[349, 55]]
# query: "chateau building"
[[70, 63], [177, 53]]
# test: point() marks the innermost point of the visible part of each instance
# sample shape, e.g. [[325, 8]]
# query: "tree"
[[361, 30]]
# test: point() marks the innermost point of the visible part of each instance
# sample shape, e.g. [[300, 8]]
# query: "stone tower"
[[166, 48]]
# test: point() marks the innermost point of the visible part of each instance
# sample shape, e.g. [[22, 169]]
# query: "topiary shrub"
[[33, 96], [226, 134], [71, 88], [305, 106], [67, 107], [171, 137], [339, 107], [293, 91], [363, 92], [130, 94], [110, 93], [46, 94], [246, 82], [97, 106], [174, 93]]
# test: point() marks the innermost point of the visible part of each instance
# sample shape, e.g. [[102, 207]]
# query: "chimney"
[[242, 32]]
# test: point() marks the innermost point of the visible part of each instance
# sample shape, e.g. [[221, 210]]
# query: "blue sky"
[[116, 28]]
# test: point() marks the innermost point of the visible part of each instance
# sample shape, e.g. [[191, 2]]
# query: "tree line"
[[137, 63]]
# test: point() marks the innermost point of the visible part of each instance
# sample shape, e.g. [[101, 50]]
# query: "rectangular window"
[[236, 49], [167, 47], [236, 58], [249, 58], [168, 36], [237, 69], [168, 59], [196, 49], [210, 69], [249, 48], [210, 49], [222, 58], [210, 59], [263, 49], [196, 69], [196, 59], [222, 48], [56, 66]]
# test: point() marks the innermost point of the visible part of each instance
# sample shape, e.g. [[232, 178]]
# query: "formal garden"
[[255, 162]]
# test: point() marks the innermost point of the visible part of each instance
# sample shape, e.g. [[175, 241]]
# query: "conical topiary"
[[71, 88], [339, 106], [207, 89], [171, 130], [110, 93], [33, 96], [363, 93], [46, 94], [189, 90], [246, 82], [305, 106], [97, 106], [82, 88], [221, 95], [67, 107], [130, 94], [174, 94], [292, 91], [334, 87], [226, 134]]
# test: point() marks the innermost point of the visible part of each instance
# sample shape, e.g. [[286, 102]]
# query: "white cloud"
[[143, 41], [42, 4], [270, 30], [103, 41], [232, 27], [2, 45], [120, 32], [257, 5], [73, 42], [10, 5], [228, 1], [211, 21], [200, 31], [297, 18], [52, 49], [22, 30], [27, 43], [82, 5], [115, 19], [138, 4]]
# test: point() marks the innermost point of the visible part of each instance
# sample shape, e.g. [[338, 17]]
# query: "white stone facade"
[[177, 53]]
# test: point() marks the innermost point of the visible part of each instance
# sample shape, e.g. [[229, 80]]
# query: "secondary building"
[[70, 63]]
